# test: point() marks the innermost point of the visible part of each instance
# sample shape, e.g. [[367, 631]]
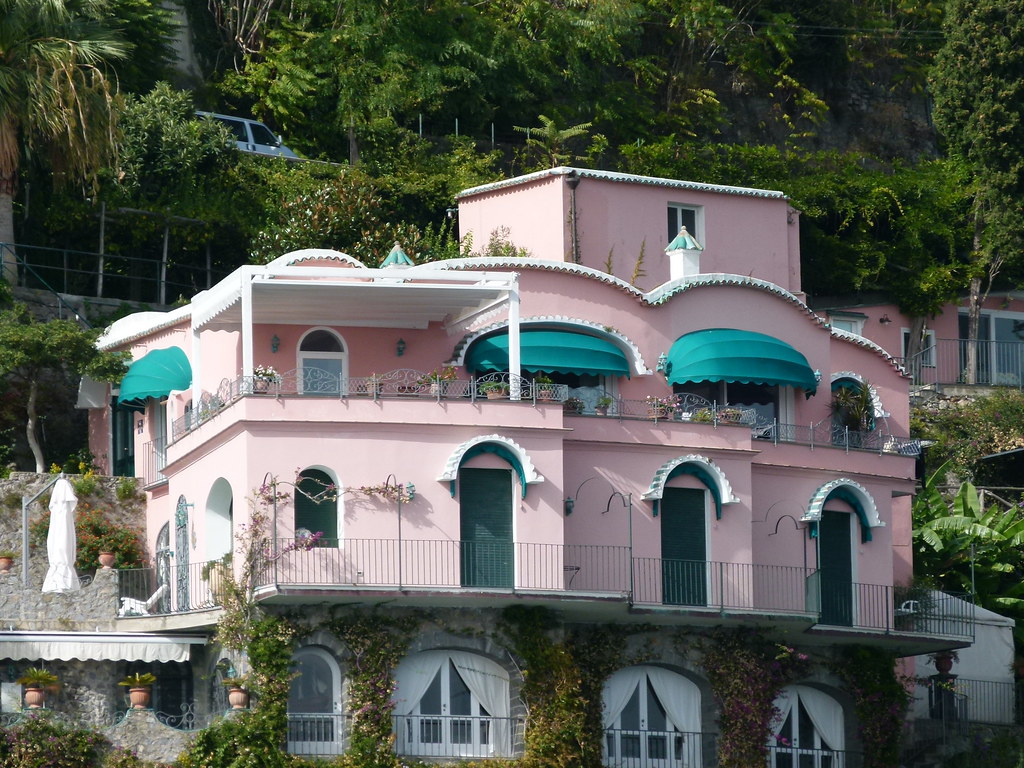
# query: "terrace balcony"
[[409, 385], [592, 581], [968, 362]]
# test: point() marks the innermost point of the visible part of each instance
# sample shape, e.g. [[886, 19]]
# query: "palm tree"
[[55, 95]]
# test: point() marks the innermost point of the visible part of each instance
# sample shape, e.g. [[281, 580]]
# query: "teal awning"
[[156, 375], [727, 354], [550, 352]]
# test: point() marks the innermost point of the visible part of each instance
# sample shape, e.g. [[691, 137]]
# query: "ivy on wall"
[[880, 699], [746, 673]]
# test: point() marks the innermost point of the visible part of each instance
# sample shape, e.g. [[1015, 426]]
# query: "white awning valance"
[[96, 646]]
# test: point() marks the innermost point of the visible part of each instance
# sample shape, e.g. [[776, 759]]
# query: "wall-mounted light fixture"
[[400, 347], [274, 343], [662, 363], [885, 319], [138, 426]]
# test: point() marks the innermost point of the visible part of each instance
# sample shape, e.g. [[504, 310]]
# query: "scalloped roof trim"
[[860, 341], [817, 503], [139, 324], [296, 258], [657, 487], [627, 178], [451, 467]]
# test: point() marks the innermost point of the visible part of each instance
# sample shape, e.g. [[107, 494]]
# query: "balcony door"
[[684, 547], [652, 720], [485, 524], [314, 727], [835, 564], [323, 362], [809, 732]]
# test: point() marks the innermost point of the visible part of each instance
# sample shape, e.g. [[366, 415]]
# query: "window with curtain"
[[452, 704], [651, 719], [315, 723], [809, 732]]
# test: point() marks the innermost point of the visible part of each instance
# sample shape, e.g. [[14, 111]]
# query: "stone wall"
[[148, 737]]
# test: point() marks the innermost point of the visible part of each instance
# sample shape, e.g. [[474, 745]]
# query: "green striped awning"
[[156, 375], [731, 355], [550, 351]]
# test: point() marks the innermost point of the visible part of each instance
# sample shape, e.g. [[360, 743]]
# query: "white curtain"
[[617, 691], [680, 698], [826, 714], [784, 702], [489, 683]]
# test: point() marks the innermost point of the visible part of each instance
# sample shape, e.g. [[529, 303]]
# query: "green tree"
[[978, 85], [968, 548], [31, 351], [55, 96]]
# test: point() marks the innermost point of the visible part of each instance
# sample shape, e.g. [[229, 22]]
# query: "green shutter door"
[[485, 509], [313, 516], [683, 547], [836, 566], [124, 439]]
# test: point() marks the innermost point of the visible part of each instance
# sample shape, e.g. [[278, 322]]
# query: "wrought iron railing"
[[788, 756], [967, 361], [318, 733], [170, 588], [408, 383], [154, 455], [634, 748], [457, 736], [974, 701], [842, 603]]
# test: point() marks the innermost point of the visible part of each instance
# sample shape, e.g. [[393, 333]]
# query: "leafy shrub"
[[96, 533], [85, 485], [127, 488], [41, 742]]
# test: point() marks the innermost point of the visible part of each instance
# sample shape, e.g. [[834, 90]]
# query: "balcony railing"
[[842, 603], [972, 701], [633, 748], [407, 384], [456, 736], [155, 457], [966, 361], [323, 734], [170, 588], [786, 756]]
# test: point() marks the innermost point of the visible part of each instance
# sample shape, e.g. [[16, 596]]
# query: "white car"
[[251, 135]]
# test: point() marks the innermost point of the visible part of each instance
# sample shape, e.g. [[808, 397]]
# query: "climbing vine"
[[880, 699], [746, 673], [377, 643]]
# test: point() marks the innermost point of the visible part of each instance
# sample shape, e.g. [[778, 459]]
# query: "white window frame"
[[698, 220], [301, 357], [927, 351], [855, 321], [336, 745]]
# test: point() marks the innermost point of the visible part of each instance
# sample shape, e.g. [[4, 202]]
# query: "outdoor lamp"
[[400, 347], [274, 343]]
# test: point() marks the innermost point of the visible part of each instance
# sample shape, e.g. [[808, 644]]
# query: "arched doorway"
[[314, 704], [323, 361]]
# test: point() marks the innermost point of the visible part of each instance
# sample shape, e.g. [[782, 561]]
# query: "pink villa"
[[630, 424]]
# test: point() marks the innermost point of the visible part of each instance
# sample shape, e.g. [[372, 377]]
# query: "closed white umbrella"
[[60, 541]]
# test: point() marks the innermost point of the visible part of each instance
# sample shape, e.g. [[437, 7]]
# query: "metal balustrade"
[[973, 701], [635, 748], [949, 362], [573, 570], [155, 457], [720, 586], [323, 734], [789, 756], [456, 736], [170, 588]]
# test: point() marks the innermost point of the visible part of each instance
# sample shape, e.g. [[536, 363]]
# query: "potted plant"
[[263, 376], [730, 415], [604, 402], [573, 405], [36, 681], [853, 413], [214, 573], [438, 379], [107, 553], [659, 407], [140, 688], [702, 416], [545, 387], [494, 390], [238, 691], [7, 560]]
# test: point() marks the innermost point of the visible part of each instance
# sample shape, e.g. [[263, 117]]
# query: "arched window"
[[316, 507], [452, 704], [219, 514], [314, 704], [651, 718], [810, 731], [323, 362]]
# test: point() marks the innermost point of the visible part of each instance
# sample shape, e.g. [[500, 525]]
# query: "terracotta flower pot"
[[5, 564], [238, 698], [107, 560], [35, 698], [139, 697]]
